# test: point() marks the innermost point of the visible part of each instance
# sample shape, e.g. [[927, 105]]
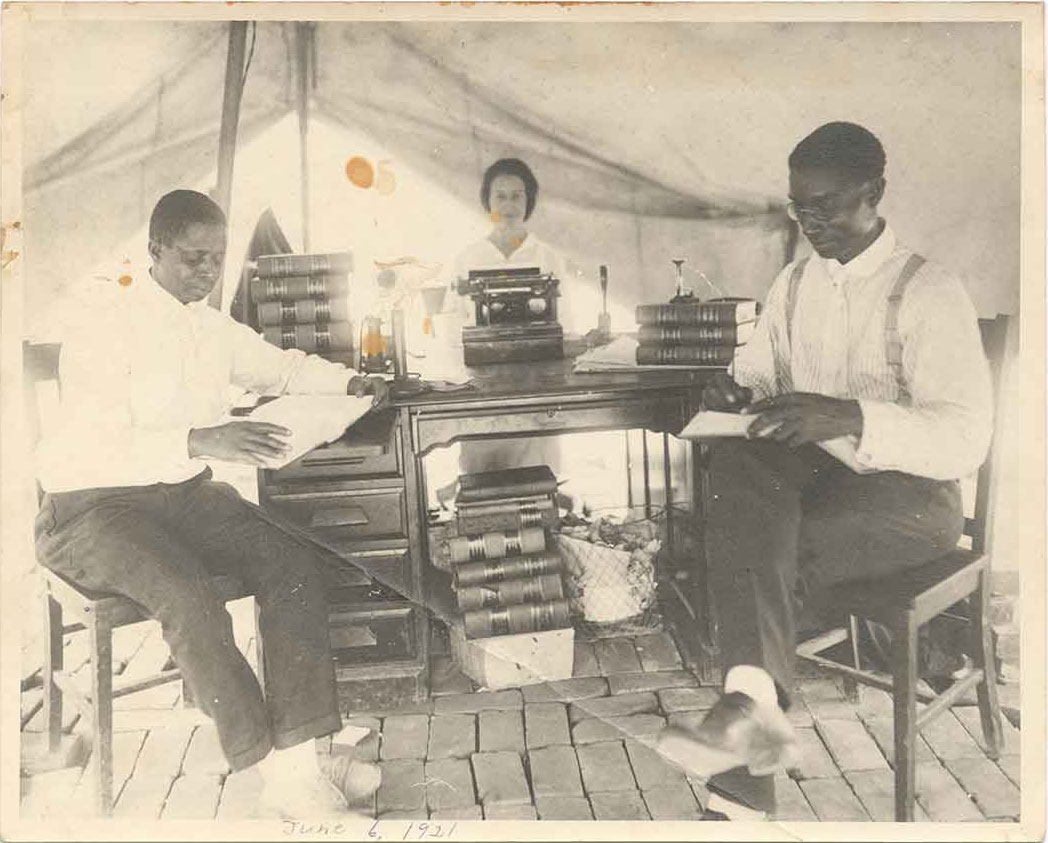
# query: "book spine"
[[513, 489], [335, 336], [524, 617], [499, 570], [683, 355], [511, 592], [496, 545], [302, 312], [688, 334], [512, 519], [298, 287], [284, 266], [708, 313]]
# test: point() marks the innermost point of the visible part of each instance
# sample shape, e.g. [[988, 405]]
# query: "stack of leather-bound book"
[[506, 578], [301, 301], [693, 333]]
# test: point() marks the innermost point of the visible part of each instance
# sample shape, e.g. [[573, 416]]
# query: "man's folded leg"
[[282, 570]]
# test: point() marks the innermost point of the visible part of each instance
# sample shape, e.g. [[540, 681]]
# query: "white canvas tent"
[[651, 141]]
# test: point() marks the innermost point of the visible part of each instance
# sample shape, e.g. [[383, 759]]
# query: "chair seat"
[[118, 609], [949, 578]]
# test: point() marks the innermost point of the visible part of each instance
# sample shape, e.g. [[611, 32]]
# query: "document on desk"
[[709, 424], [312, 419]]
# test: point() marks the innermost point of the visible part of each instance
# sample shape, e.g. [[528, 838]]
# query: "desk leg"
[[418, 542], [708, 658]]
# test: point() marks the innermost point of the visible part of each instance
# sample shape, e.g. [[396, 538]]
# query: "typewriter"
[[516, 316]]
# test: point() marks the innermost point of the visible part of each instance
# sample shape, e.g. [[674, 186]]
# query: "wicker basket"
[[607, 585]]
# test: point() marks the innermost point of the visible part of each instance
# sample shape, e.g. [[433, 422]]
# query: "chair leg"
[[53, 663], [983, 656], [101, 642], [904, 671], [852, 689]]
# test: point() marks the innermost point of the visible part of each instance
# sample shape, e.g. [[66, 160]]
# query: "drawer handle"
[[343, 516], [321, 462]]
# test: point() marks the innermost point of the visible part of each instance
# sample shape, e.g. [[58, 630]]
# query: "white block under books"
[[510, 661]]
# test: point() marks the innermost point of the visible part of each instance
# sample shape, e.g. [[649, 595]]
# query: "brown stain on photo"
[[360, 172], [124, 280]]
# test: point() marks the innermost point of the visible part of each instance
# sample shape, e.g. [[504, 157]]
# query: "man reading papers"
[[130, 506], [864, 343]]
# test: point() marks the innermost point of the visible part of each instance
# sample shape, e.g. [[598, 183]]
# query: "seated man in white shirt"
[[130, 507], [865, 343]]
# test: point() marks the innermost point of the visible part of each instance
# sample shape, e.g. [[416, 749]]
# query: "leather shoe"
[[737, 732]]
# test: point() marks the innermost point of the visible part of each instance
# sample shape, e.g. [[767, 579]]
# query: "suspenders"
[[892, 338]]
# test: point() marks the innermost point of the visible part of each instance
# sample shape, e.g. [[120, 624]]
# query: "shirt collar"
[[867, 262]]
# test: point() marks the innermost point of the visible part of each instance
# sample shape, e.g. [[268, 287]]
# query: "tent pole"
[[303, 54], [227, 138]]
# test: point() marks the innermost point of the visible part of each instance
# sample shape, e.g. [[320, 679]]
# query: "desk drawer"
[[368, 448], [362, 634], [389, 567], [338, 516]]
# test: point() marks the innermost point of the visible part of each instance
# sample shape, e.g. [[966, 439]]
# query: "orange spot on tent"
[[360, 172], [124, 280]]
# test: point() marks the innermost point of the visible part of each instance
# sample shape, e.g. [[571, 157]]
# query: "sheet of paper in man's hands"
[[312, 419], [710, 423]]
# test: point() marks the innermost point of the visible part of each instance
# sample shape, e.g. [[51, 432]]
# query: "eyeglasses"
[[824, 208]]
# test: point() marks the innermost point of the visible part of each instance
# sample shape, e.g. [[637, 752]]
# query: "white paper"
[[312, 419], [710, 423]]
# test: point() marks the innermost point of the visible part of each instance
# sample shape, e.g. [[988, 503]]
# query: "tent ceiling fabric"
[[430, 88], [649, 140]]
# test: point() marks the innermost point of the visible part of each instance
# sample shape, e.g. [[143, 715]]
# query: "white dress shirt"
[[139, 370], [836, 346]]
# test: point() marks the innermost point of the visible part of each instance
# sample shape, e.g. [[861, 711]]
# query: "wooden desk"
[[367, 501]]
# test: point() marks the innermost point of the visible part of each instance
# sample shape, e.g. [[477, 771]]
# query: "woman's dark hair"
[[178, 210], [510, 167]]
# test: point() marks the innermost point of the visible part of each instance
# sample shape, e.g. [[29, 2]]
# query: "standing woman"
[[508, 193]]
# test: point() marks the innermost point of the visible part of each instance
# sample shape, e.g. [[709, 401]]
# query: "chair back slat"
[[994, 336]]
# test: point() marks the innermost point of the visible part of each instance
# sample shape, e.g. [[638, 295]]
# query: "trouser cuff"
[[324, 725], [251, 756]]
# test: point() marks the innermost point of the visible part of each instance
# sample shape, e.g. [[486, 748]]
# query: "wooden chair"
[[70, 608], [905, 602]]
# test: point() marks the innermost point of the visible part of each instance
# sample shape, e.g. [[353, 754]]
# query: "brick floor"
[[555, 771], [449, 784], [546, 724], [628, 805], [501, 730], [617, 706], [512, 751], [500, 778], [605, 767], [452, 736], [563, 808]]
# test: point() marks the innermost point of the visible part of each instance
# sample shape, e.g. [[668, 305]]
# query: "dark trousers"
[[790, 524], [159, 545]]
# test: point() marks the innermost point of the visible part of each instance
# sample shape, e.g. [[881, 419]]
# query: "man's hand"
[[254, 443], [360, 386], [798, 418], [722, 393]]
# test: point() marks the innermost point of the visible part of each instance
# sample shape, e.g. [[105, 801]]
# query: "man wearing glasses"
[[863, 346], [130, 506]]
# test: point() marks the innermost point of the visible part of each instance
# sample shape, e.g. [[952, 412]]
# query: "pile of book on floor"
[[694, 333], [302, 301], [506, 577]]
